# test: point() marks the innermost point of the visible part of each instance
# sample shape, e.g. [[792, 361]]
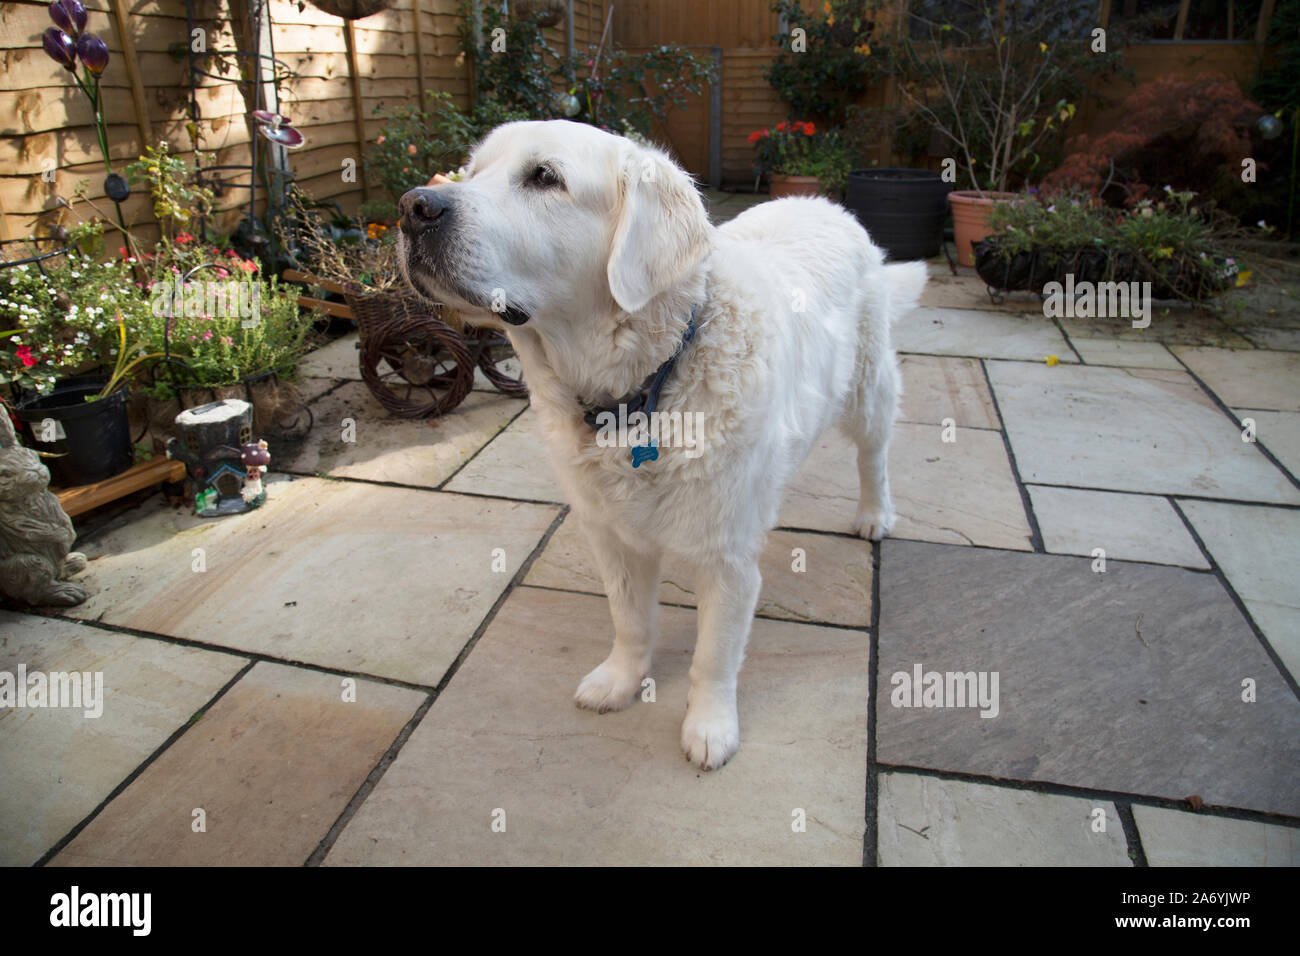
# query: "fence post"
[[715, 123], [358, 119], [133, 72]]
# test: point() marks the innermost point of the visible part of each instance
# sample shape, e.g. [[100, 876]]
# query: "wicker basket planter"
[[1178, 277]]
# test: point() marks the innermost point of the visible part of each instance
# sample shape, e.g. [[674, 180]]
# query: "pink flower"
[[24, 353], [411, 149], [227, 340], [207, 335], [248, 265]]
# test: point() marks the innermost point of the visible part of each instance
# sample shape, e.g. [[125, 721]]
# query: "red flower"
[[184, 237], [24, 353], [809, 129], [781, 127], [248, 265], [755, 136]]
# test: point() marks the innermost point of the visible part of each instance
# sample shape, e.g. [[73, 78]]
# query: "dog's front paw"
[[610, 686], [874, 525], [710, 732]]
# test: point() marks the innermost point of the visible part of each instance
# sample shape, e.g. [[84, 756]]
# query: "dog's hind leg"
[[870, 423], [631, 580], [728, 595]]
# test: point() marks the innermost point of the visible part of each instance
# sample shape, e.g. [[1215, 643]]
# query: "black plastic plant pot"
[[903, 210], [91, 439]]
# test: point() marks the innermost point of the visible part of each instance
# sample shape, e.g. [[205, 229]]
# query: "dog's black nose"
[[422, 209]]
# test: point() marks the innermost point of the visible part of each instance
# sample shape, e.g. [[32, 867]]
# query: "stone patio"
[[377, 666]]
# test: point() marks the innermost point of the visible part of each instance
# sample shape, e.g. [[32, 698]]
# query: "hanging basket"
[[352, 9]]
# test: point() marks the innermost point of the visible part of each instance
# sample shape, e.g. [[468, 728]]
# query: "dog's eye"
[[544, 177]]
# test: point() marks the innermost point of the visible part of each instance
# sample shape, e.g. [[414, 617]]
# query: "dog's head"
[[554, 220]]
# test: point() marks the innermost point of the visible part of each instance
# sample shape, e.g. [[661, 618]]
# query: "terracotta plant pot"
[[781, 186], [970, 220]]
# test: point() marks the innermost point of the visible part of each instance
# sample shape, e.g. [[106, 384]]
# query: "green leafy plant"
[[830, 54], [415, 143], [998, 84], [178, 197], [802, 149], [605, 85], [1177, 232]]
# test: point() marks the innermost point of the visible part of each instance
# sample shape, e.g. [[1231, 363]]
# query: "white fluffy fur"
[[608, 268]]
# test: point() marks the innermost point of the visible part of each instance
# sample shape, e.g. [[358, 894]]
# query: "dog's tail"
[[905, 281]]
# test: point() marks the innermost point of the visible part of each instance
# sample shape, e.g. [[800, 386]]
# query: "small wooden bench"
[[83, 498]]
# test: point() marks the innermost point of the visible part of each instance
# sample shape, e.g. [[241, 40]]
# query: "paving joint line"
[[1035, 534], [376, 774], [142, 767], [1287, 677], [871, 831], [1095, 793]]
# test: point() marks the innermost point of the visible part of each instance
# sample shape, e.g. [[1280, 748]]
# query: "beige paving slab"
[[1249, 378], [1258, 550], [515, 464], [926, 821], [833, 587], [1172, 325], [353, 436], [314, 388], [504, 740], [1279, 432], [968, 291], [1125, 527], [1176, 838], [937, 388], [338, 359], [1126, 353], [1116, 429], [959, 492], [982, 334], [384, 581], [271, 766], [59, 764]]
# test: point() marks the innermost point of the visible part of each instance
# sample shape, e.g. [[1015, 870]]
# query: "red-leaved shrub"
[[1191, 134]]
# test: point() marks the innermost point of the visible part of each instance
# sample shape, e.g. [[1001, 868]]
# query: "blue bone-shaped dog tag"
[[643, 453]]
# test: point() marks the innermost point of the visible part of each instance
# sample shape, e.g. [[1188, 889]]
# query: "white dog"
[[597, 258]]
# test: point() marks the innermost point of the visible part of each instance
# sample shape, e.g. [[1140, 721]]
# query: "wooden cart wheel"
[[494, 351], [415, 365]]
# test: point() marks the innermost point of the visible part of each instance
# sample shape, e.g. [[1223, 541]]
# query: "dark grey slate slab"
[[1084, 700]]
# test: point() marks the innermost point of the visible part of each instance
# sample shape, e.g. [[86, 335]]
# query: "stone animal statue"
[[35, 534]]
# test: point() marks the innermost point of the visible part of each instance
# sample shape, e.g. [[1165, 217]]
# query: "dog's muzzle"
[[424, 210]]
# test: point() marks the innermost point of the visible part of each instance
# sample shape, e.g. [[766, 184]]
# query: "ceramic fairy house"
[[224, 464]]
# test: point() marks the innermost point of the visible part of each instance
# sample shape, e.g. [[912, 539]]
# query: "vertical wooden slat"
[[419, 51], [715, 123], [1181, 24], [133, 72], [358, 118], [1103, 18], [1265, 16]]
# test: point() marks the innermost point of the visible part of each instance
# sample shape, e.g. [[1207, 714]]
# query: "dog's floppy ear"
[[662, 230]]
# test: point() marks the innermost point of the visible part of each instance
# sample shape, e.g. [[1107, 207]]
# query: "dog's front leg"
[[728, 594], [632, 582]]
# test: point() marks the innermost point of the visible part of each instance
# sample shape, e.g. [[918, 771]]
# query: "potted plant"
[[1182, 247], [800, 159], [994, 84], [73, 343]]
